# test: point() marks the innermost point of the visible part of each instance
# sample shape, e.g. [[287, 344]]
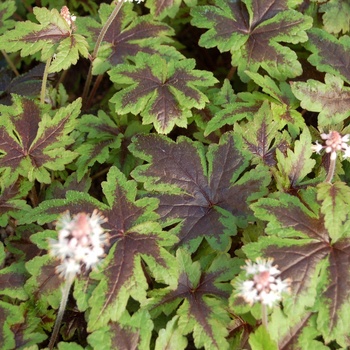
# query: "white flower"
[[70, 19], [81, 242], [264, 287], [334, 143]]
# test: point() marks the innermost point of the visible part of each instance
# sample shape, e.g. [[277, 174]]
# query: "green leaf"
[[51, 36], [130, 332], [283, 103], [9, 316], [235, 108], [331, 100], [262, 137], [207, 192], [162, 92], [203, 297], [335, 17], [12, 203], [252, 32], [7, 9], [103, 135], [31, 143], [161, 9], [171, 337], [295, 165], [335, 206], [261, 340], [329, 54]]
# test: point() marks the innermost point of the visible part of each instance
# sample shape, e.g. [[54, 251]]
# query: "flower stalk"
[[81, 245], [264, 287], [333, 144]]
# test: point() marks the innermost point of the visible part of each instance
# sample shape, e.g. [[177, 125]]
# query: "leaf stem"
[[264, 315], [10, 63], [331, 170], [97, 46], [63, 304], [43, 85]]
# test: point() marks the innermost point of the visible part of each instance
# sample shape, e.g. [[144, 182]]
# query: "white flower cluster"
[[70, 19], [81, 242], [334, 143], [264, 287]]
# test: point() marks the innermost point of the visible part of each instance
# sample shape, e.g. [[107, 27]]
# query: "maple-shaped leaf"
[[329, 54], [27, 84], [162, 92], [52, 35], [130, 332], [103, 135], [7, 9], [208, 192], [303, 250], [32, 142], [261, 136], [9, 315], [161, 8], [200, 299], [135, 239], [335, 16], [127, 35], [252, 31], [12, 203], [331, 100]]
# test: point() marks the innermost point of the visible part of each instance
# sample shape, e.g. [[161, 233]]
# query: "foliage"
[[204, 134]]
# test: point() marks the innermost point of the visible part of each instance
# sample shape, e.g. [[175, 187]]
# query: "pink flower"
[[264, 286], [81, 242]]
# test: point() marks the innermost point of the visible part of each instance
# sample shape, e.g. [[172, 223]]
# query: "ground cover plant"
[[174, 174]]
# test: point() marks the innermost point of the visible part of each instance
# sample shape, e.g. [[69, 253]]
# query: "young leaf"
[[130, 332], [52, 35], [127, 35], [295, 166], [252, 32], [171, 337], [329, 54], [32, 144], [162, 92], [203, 297], [204, 194], [335, 16], [283, 103], [331, 100], [240, 106], [261, 136], [11, 202], [334, 199], [261, 340], [301, 247], [103, 135], [7, 9]]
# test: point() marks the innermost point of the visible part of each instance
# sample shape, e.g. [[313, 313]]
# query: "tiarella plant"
[[174, 174]]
